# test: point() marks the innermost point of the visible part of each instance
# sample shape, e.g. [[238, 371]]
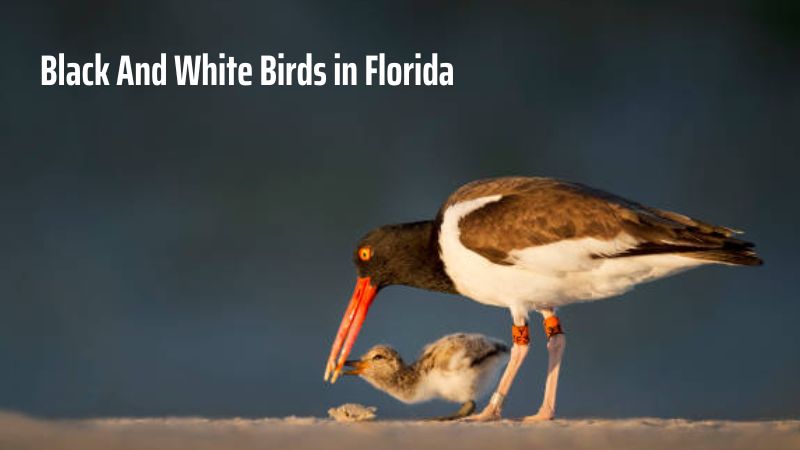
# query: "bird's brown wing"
[[540, 211]]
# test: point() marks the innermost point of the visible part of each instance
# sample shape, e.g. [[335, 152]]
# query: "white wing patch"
[[570, 255]]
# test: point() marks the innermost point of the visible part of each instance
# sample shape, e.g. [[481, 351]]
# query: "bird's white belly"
[[550, 275], [452, 386]]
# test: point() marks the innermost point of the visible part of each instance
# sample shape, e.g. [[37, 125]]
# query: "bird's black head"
[[394, 254], [398, 254]]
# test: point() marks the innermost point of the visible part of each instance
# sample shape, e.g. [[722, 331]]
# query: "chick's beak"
[[357, 367]]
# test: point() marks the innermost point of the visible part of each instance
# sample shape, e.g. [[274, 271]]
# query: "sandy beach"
[[20, 432]]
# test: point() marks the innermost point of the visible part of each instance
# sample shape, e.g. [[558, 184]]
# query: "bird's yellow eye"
[[365, 253]]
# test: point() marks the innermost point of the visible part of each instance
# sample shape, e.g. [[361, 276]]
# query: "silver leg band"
[[497, 400]]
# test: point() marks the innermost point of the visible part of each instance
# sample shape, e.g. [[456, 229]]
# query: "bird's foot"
[[489, 414], [540, 416], [465, 410]]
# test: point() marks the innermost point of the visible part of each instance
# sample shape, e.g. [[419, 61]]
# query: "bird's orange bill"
[[357, 367], [354, 316]]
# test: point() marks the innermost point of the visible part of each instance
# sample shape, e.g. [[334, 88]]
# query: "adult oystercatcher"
[[531, 244], [457, 367]]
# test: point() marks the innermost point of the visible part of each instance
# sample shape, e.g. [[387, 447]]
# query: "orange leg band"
[[520, 335], [552, 326]]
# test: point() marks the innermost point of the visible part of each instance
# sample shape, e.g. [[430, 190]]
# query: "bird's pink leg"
[[518, 352], [555, 350]]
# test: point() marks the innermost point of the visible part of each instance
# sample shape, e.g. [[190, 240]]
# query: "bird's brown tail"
[[737, 256]]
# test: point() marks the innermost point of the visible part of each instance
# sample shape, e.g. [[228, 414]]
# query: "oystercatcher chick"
[[458, 368]]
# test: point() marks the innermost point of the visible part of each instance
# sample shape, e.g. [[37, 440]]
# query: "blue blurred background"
[[187, 251]]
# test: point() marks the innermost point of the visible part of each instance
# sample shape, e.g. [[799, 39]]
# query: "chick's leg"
[[466, 409]]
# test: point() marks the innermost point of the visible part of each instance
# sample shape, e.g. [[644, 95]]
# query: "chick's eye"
[[377, 357], [365, 253]]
